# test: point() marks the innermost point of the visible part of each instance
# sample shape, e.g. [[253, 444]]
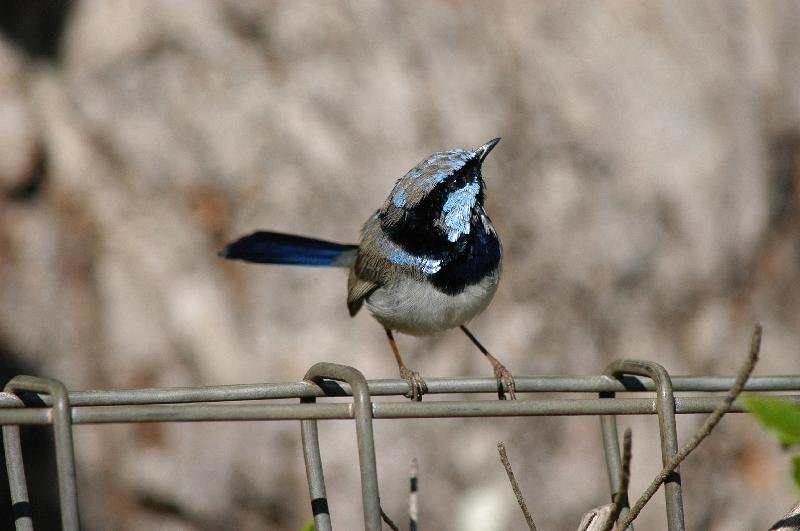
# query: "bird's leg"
[[505, 380], [416, 384]]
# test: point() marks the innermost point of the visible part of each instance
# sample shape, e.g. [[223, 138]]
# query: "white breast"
[[415, 307]]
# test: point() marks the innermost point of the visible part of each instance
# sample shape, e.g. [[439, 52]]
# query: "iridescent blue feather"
[[276, 248]]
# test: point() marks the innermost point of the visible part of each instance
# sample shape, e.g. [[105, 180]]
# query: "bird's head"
[[435, 205]]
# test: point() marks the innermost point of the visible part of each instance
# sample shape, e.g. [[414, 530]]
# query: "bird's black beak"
[[486, 148]]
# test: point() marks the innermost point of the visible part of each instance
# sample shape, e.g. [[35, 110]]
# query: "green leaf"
[[777, 415], [796, 470], [309, 526]]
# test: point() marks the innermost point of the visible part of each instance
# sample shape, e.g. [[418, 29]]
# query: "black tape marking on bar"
[[319, 506], [21, 510]]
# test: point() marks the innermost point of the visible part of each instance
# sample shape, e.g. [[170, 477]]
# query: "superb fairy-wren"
[[429, 258]]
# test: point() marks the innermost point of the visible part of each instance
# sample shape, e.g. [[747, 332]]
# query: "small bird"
[[429, 258]]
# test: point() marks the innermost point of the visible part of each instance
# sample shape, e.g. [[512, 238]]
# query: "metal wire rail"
[[30, 400]]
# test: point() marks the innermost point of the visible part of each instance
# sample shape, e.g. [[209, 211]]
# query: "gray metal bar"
[[362, 411], [525, 384], [380, 410], [413, 495], [608, 426], [209, 412], [554, 407], [665, 403], [15, 468], [60, 417], [314, 474]]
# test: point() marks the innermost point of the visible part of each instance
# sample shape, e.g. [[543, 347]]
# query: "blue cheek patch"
[[458, 210]]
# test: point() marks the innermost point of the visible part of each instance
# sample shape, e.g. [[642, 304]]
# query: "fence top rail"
[[205, 412], [397, 387]]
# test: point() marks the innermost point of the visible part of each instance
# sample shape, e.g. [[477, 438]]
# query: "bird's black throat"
[[480, 257]]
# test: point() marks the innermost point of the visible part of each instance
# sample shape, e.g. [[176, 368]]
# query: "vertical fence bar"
[[62, 433], [15, 468], [362, 411], [314, 474], [665, 404], [413, 494], [608, 427]]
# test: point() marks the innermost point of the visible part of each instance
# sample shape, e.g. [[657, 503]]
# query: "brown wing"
[[357, 290], [365, 275], [371, 269]]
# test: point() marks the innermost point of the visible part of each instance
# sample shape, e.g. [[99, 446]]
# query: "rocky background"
[[647, 190]]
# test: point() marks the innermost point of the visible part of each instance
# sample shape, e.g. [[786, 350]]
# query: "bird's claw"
[[416, 385], [505, 383]]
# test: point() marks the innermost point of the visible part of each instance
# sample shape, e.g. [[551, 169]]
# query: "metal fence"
[[29, 400]]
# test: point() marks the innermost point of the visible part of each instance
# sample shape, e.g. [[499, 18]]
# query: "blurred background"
[[647, 192]]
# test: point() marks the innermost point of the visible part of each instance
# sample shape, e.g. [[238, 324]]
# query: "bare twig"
[[501, 449], [413, 504], [620, 499], [705, 429], [388, 521]]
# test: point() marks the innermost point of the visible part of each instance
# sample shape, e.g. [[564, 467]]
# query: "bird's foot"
[[505, 382], [416, 385]]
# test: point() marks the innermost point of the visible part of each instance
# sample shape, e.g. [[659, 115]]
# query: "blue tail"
[[276, 248]]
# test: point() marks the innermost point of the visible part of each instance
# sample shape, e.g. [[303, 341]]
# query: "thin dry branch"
[[501, 449], [705, 429], [388, 521]]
